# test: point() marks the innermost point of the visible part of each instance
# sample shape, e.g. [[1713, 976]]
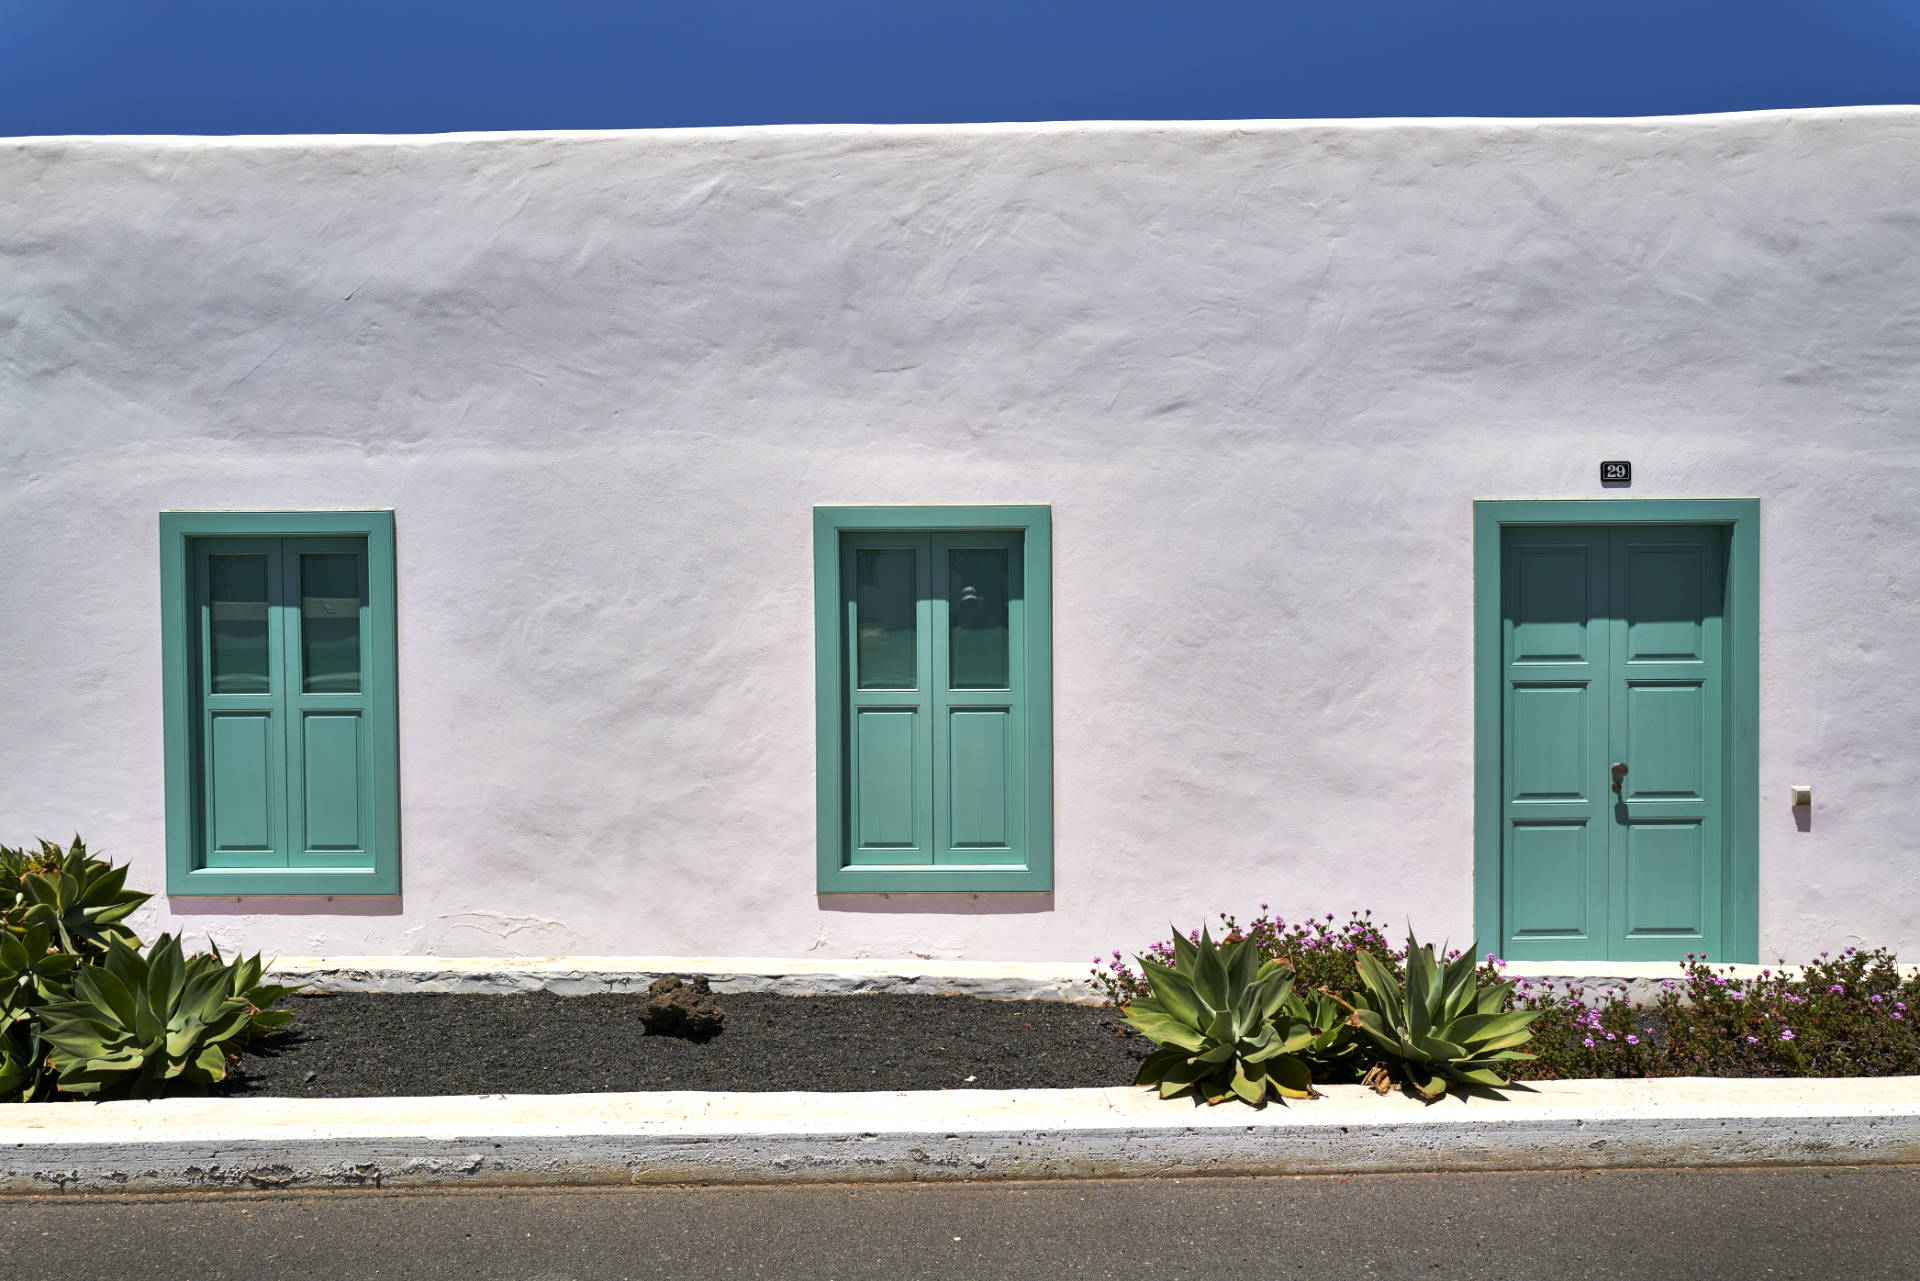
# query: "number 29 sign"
[[1616, 473]]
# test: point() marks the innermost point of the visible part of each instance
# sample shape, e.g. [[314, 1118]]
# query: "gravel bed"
[[343, 1045]]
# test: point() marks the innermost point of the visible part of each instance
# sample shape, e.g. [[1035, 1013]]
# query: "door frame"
[[1740, 868]]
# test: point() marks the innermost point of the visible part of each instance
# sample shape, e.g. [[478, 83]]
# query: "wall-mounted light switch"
[[1802, 796]]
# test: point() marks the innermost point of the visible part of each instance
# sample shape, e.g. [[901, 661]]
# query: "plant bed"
[[1845, 1014], [364, 1045]]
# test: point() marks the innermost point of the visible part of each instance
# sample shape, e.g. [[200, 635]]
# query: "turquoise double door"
[[1614, 722]]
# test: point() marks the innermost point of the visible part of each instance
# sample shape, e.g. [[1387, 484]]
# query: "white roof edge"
[[1276, 125]]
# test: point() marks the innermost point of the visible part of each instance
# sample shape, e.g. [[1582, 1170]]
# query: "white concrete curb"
[[686, 1137]]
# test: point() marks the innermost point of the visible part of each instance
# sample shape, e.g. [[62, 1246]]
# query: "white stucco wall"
[[1259, 371]]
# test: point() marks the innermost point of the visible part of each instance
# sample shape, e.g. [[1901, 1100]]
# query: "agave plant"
[[1221, 1018], [29, 967], [135, 1025], [1439, 1025], [243, 981], [79, 898], [1335, 1050], [21, 1076]]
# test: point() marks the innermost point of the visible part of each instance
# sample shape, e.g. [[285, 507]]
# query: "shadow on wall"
[[941, 904], [315, 905]]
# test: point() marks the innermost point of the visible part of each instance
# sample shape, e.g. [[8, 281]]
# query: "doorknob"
[[1619, 773]]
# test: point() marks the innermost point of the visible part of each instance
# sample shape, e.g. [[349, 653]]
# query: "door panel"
[[240, 768], [1666, 737], [1667, 631], [1550, 598], [887, 792], [980, 780], [1549, 869], [1552, 734], [1554, 663], [1665, 889], [335, 801], [1612, 655]]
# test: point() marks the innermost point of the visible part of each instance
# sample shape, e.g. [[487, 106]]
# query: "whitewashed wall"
[[1259, 371]]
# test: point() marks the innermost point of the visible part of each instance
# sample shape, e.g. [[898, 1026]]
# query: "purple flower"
[[1588, 1042], [1898, 1015], [1736, 996], [1835, 988], [1899, 1005], [1632, 1039], [1875, 998], [1752, 1039], [1786, 1034], [1611, 1037]]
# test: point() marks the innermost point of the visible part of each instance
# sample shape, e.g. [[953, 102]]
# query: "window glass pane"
[[330, 623], [977, 617], [237, 624], [885, 599]]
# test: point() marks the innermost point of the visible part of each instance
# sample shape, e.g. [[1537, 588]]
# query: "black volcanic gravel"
[[357, 1045]]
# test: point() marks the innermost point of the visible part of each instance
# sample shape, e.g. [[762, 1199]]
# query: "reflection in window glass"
[[885, 600], [977, 618], [330, 623], [237, 624]]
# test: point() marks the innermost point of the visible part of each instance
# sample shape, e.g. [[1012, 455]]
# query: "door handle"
[[1619, 773]]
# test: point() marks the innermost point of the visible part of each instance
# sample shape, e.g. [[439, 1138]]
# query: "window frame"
[[179, 531], [1034, 524]]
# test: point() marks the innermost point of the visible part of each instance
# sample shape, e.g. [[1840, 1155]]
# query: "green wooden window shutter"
[[934, 698], [281, 733]]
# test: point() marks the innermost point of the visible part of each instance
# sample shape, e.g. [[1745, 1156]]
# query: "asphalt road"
[[1831, 1224]]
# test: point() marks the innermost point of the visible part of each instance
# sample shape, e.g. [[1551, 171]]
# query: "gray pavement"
[[1830, 1224]]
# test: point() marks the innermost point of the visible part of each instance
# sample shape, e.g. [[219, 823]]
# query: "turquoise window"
[[278, 657], [934, 699]]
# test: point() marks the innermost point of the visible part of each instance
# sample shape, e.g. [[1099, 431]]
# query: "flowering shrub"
[[1845, 1015], [1320, 952]]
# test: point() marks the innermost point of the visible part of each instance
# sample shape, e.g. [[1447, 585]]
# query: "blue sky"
[[401, 66]]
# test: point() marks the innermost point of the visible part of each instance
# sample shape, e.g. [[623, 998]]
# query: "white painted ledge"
[[577, 975], [684, 1137], [1000, 980], [1639, 980]]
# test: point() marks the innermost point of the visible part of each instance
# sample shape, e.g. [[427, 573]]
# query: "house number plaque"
[[1618, 473]]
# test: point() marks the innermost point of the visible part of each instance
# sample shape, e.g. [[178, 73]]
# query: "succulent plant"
[[243, 981], [140, 1026], [21, 1075], [1220, 1017], [1336, 1049], [1439, 1025], [29, 965], [79, 898]]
